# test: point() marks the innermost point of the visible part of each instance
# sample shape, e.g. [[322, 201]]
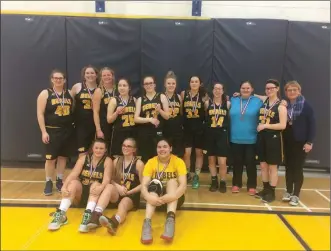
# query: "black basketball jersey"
[[58, 111], [83, 102], [193, 111], [269, 112], [130, 176], [126, 119], [175, 120], [217, 115], [148, 109], [106, 96], [88, 175]]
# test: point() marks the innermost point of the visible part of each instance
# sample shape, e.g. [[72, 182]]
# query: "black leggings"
[[294, 160], [244, 154]]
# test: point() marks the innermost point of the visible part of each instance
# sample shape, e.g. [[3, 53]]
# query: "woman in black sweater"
[[298, 138]]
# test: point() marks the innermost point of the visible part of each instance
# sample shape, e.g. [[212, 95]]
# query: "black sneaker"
[[222, 187], [260, 194], [110, 224], [48, 188], [269, 196], [214, 186], [59, 184]]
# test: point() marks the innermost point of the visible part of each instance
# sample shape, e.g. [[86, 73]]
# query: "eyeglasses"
[[57, 78], [127, 146]]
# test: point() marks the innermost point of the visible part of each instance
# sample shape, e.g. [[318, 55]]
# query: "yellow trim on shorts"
[[52, 127], [282, 146], [102, 15]]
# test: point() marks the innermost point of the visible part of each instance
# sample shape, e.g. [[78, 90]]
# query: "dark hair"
[[143, 89], [97, 140], [83, 74], [169, 141], [273, 81], [246, 81], [202, 90], [224, 98], [127, 81]]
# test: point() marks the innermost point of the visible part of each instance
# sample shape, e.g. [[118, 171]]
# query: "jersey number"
[[62, 111], [128, 120], [175, 112], [150, 114], [87, 104], [191, 114], [263, 121], [219, 122]]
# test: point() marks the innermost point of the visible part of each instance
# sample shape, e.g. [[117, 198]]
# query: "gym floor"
[[207, 221]]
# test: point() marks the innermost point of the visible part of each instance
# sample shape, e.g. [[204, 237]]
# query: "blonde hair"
[[170, 74], [293, 83], [101, 85], [117, 174]]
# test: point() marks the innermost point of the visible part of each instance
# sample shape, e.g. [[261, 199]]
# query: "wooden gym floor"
[[207, 221]]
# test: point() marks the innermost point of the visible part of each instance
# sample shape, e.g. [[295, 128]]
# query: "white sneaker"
[[286, 197]]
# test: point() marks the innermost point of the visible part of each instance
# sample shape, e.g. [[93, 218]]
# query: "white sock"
[[91, 205], [60, 176], [197, 171], [98, 209], [48, 178], [118, 218], [65, 204]]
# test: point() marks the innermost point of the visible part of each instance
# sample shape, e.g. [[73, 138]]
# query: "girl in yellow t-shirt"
[[163, 185]]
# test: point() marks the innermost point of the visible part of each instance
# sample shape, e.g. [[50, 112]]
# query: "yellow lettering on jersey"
[[149, 106], [220, 112], [106, 100], [130, 109], [174, 112], [190, 114], [128, 120], [62, 111], [87, 104], [192, 104], [56, 101], [84, 96], [218, 123]]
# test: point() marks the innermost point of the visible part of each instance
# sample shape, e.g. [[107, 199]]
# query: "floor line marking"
[[268, 206], [45, 200], [322, 195], [304, 206], [294, 233], [189, 185]]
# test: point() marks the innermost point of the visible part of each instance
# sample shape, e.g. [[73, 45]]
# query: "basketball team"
[[140, 148]]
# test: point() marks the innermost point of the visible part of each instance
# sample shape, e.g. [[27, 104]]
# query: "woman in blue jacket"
[[298, 138], [244, 115]]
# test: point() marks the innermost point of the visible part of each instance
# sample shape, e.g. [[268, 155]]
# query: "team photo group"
[[133, 149]]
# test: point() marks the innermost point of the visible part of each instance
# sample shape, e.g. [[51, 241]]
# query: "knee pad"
[[155, 186]]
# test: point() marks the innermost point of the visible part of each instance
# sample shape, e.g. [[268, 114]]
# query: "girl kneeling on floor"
[[124, 190], [164, 184], [88, 180]]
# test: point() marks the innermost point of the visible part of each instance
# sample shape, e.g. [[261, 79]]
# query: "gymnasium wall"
[[228, 50]]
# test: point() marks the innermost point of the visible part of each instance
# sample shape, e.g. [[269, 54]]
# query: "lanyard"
[[219, 111], [123, 101], [173, 105], [196, 102], [158, 174], [123, 168], [266, 111], [108, 93], [92, 170], [58, 98], [243, 109]]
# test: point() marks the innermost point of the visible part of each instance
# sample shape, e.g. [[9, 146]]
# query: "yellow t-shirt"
[[175, 168]]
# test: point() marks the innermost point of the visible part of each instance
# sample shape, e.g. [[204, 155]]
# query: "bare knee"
[[172, 185], [74, 187], [198, 153], [50, 161]]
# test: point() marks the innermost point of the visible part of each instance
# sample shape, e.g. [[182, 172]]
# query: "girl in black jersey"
[[121, 110], [125, 189], [89, 180], [193, 123], [272, 120], [216, 136], [54, 113], [173, 127], [101, 99], [83, 94], [149, 110]]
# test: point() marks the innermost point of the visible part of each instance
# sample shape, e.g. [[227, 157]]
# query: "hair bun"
[[170, 74]]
